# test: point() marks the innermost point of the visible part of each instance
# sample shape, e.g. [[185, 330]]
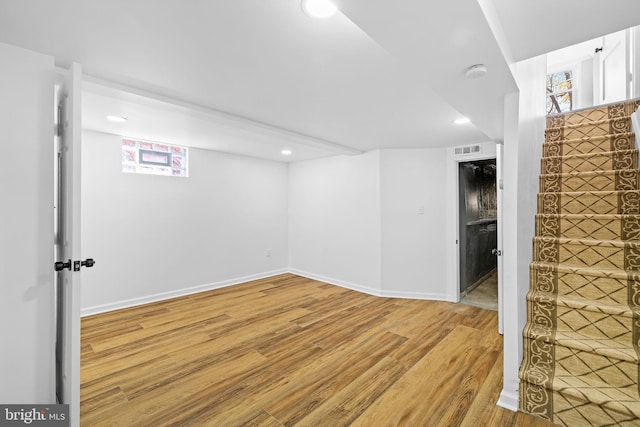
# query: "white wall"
[[156, 237], [524, 135], [413, 218], [27, 326], [334, 220]]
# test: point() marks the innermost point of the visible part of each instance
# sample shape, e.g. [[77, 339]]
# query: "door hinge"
[[496, 252]]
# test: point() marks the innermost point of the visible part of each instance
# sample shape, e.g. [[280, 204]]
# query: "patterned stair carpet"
[[581, 342]]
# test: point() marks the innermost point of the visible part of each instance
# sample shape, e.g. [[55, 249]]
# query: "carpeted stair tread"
[[590, 242], [602, 143], [614, 110], [604, 347], [576, 303], [606, 405], [601, 180], [604, 286], [590, 202], [610, 160], [589, 129], [585, 226], [607, 254], [603, 122], [582, 270]]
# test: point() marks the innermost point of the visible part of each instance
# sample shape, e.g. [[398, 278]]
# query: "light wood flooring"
[[288, 351]]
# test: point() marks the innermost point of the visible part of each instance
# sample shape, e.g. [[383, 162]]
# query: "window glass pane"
[[560, 92], [154, 158]]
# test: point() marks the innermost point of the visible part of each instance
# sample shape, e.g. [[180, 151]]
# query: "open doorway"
[[478, 233]]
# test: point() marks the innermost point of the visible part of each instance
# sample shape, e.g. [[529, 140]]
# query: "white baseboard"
[[509, 400], [369, 290], [341, 283], [414, 295], [88, 311], [177, 293]]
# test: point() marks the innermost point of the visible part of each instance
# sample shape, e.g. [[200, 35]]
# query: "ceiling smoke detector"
[[476, 71]]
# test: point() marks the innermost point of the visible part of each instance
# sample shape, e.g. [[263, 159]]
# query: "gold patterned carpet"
[[581, 356]]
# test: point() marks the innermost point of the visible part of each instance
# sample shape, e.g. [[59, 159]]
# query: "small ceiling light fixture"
[[476, 71], [286, 152], [462, 121], [318, 8], [116, 119]]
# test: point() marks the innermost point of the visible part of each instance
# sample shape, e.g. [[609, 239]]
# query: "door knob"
[[61, 265]]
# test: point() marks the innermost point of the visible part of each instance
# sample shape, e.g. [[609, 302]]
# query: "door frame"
[[68, 238], [488, 150]]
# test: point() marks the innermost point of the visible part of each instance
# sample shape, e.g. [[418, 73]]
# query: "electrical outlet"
[[268, 254]]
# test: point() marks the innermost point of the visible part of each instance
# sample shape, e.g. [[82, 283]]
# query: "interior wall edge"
[[118, 305]]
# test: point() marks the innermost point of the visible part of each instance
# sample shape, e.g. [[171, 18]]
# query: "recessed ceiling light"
[[462, 121], [116, 119], [286, 152], [318, 8]]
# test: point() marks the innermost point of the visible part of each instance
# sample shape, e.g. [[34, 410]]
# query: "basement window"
[[560, 92], [154, 158]]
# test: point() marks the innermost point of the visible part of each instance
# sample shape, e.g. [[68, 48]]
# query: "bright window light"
[[154, 158]]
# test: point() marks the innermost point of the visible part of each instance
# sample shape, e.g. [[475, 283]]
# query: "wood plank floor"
[[288, 351]]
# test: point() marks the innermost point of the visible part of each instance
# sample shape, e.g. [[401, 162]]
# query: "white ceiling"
[[253, 77]]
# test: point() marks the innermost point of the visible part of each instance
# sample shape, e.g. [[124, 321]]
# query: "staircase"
[[581, 355]]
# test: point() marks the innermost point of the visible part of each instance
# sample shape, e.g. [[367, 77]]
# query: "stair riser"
[[607, 112], [580, 254], [623, 180], [568, 410], [620, 160], [590, 145], [605, 289], [614, 228], [617, 203], [607, 334], [576, 363], [591, 129]]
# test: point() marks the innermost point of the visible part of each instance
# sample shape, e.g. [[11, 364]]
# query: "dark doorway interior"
[[478, 223]]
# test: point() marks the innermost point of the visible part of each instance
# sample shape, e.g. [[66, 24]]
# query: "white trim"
[[509, 400], [336, 282], [177, 293], [371, 291], [488, 150], [89, 311], [414, 295]]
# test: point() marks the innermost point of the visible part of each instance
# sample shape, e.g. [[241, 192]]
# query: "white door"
[[67, 241], [499, 165], [611, 69]]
